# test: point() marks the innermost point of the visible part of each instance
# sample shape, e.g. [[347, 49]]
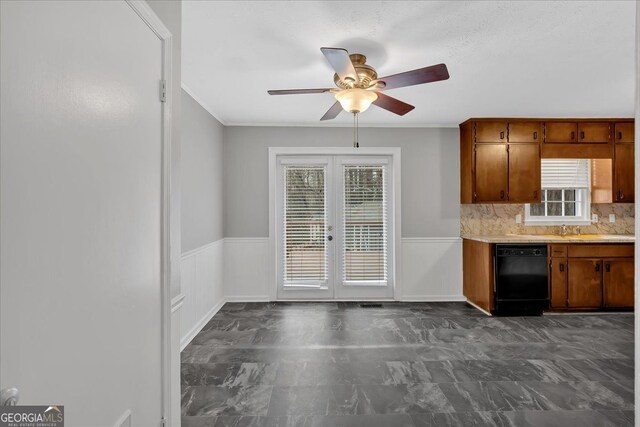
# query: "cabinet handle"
[[502, 135], [501, 194], [535, 135], [582, 135], [573, 135], [535, 194], [619, 135], [621, 195], [598, 266], [607, 268], [561, 267]]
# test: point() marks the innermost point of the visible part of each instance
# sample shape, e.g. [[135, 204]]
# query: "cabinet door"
[[560, 132], [524, 173], [525, 132], [585, 283], [490, 173], [594, 132], [623, 173], [624, 132], [558, 283], [618, 282], [491, 132]]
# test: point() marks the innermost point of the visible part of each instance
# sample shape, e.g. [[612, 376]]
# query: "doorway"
[[335, 226]]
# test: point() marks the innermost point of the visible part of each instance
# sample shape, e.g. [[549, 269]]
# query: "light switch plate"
[[612, 217], [594, 217], [518, 219]]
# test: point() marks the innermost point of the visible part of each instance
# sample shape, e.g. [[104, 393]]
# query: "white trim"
[[637, 223], [249, 298], [432, 298], [431, 239], [395, 212], [343, 125], [202, 248], [177, 302], [185, 340], [202, 103], [124, 420], [144, 11]]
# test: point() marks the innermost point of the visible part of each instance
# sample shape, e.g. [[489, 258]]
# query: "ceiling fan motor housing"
[[366, 73]]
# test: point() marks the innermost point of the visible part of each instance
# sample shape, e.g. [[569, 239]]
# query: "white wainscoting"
[[203, 288], [431, 269], [246, 276]]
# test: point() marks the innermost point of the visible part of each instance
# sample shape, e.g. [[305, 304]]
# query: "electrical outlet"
[[594, 217], [612, 217], [518, 219]]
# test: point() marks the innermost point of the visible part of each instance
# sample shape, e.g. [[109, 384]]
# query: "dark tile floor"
[[406, 364]]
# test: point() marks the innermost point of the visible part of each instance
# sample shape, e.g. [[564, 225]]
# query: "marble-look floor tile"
[[216, 400], [406, 364]]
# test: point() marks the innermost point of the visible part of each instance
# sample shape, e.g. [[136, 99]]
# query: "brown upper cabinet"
[[525, 132], [560, 132], [524, 173], [594, 132], [491, 132], [491, 177], [624, 132], [623, 173]]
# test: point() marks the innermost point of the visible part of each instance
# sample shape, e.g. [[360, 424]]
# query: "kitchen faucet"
[[563, 230]]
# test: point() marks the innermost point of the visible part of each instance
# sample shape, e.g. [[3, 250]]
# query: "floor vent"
[[371, 305]]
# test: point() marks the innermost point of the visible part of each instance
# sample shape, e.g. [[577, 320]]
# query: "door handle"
[[502, 135], [501, 194], [582, 135], [598, 267], [561, 267], [9, 397], [329, 237], [535, 135], [573, 135], [535, 194], [619, 136], [607, 268]]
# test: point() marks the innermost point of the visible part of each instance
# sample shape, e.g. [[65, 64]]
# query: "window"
[[565, 194]]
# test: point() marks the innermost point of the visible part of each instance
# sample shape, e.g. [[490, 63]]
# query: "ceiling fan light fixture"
[[356, 100]]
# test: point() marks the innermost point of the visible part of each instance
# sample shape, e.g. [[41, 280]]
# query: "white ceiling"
[[529, 59]]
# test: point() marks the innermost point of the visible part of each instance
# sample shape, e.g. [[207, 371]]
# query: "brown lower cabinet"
[[584, 283], [591, 277], [618, 282]]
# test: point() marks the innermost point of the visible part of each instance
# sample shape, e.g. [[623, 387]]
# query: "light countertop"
[[550, 238]]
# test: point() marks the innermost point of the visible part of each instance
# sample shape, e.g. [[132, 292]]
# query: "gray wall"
[[202, 214], [430, 174]]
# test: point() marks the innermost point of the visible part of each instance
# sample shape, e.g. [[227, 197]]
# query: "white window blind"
[[365, 224], [305, 217], [565, 173]]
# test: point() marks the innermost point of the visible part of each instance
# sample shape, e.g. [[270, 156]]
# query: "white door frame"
[[394, 211], [142, 9]]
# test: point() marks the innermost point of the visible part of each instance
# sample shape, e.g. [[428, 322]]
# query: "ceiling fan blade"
[[333, 112], [297, 91], [430, 74], [340, 61], [391, 104]]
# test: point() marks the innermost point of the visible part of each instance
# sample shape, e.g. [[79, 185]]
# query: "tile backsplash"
[[501, 219]]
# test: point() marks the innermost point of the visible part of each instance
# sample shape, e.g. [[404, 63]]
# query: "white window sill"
[[558, 222]]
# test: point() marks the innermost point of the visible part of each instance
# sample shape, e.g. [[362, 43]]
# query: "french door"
[[334, 227]]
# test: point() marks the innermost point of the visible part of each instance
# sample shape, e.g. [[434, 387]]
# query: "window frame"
[[583, 219]]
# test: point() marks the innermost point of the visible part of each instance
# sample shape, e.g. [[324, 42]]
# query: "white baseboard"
[[201, 324], [124, 420], [432, 298], [248, 298]]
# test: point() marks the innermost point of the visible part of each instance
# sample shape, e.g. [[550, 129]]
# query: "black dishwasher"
[[521, 285]]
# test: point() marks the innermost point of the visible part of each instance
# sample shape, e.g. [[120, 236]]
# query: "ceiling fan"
[[358, 85]]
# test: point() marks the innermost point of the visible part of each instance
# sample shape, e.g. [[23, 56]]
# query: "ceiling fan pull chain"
[[357, 131]]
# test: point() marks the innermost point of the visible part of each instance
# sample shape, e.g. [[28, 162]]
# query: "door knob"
[[329, 238], [9, 397]]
